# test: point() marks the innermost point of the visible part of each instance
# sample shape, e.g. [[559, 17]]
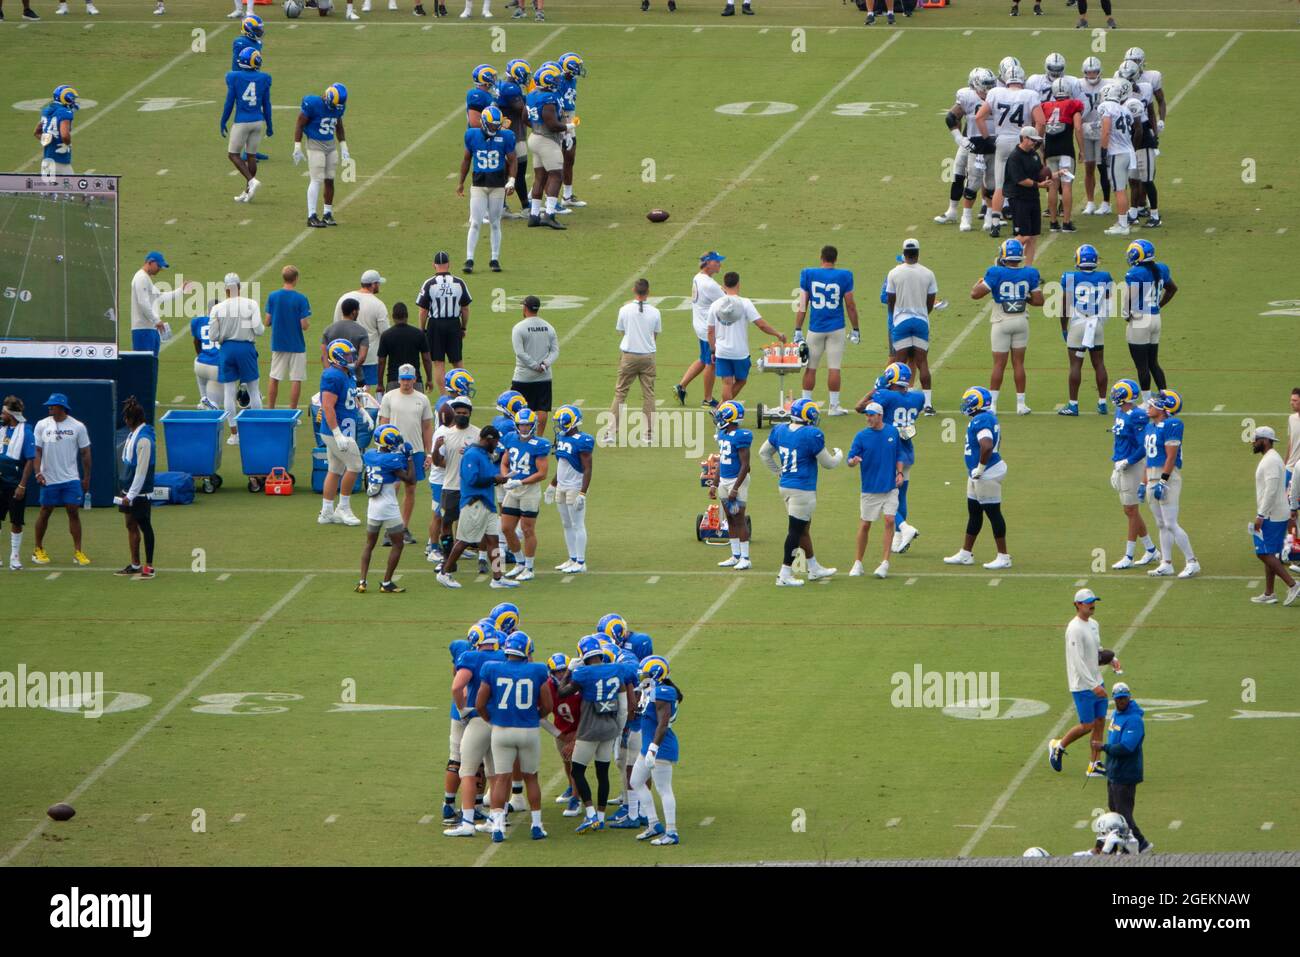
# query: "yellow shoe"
[[80, 558], [40, 556], [361, 587]]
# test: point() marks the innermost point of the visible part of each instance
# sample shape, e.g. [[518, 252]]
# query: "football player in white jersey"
[[1004, 67], [1149, 87], [1144, 153], [1004, 111], [1153, 77], [1054, 67], [971, 171], [1117, 149], [1089, 91]]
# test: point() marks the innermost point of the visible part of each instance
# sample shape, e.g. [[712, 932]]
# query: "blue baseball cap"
[[712, 256], [157, 257], [58, 398]]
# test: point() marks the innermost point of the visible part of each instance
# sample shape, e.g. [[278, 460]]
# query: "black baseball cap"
[[441, 258], [532, 303]]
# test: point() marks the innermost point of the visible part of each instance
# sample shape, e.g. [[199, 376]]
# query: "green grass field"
[[788, 718]]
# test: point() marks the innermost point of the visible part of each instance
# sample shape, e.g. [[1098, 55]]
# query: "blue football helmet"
[[589, 647], [728, 413], [250, 59], [1140, 251], [483, 637], [567, 417], [341, 353], [491, 120], [976, 399], [336, 94], [572, 65], [65, 95], [253, 27], [896, 373], [653, 667], [459, 382], [557, 662], [518, 72], [548, 76], [1011, 250], [1168, 400], [613, 626], [516, 645], [1085, 257], [510, 402], [389, 438], [1125, 390], [484, 75], [805, 411], [504, 617], [526, 423]]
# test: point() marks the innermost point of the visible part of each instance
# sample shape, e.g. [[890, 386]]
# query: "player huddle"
[[612, 703]]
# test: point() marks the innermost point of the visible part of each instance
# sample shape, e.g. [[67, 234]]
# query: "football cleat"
[[391, 588], [79, 557], [857, 571], [589, 826], [791, 582], [565, 566], [1125, 562], [820, 572], [573, 810], [502, 583], [670, 838], [625, 823], [1001, 561], [882, 570], [1163, 570], [568, 792], [1054, 753], [743, 564], [959, 559], [1070, 408], [361, 587], [1096, 769], [494, 265], [1151, 555], [449, 813], [1292, 594], [537, 833], [461, 830], [730, 562], [446, 581], [652, 831], [1191, 569]]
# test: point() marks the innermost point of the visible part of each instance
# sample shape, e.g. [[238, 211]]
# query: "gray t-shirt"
[[347, 329]]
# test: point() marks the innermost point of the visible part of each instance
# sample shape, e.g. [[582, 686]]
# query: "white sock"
[[1129, 549], [786, 571], [966, 214], [537, 818], [551, 203], [1122, 219], [535, 206], [735, 547], [345, 502], [835, 399], [963, 553], [952, 206], [568, 192], [744, 550], [814, 565], [15, 544], [469, 6], [807, 394], [1020, 399], [326, 505], [994, 393], [313, 196], [929, 395], [1155, 214], [528, 563], [328, 209], [1147, 543]]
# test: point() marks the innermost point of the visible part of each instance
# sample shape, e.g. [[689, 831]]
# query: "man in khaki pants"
[[640, 324]]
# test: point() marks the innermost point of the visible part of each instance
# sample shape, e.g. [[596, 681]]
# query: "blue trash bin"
[[193, 440], [266, 441]]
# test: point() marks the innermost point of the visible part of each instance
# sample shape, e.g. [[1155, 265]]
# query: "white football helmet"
[[1129, 70], [1117, 91], [1060, 88], [1135, 108], [1108, 822], [1054, 65], [982, 79], [1137, 55], [1036, 852], [1092, 68], [1015, 75], [1005, 67]]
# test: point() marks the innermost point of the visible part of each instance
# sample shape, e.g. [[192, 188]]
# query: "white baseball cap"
[[1085, 596], [1029, 132], [1266, 432], [371, 276], [232, 280], [912, 244], [874, 408]]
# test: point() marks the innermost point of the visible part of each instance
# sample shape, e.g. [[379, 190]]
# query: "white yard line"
[[677, 649], [26, 259], [182, 696], [703, 212], [1200, 74], [1035, 759]]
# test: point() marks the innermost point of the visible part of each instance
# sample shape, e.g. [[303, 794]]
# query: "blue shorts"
[[1089, 706], [1271, 539], [705, 355], [737, 369], [437, 498], [62, 493], [146, 340], [238, 362], [417, 460], [910, 332], [371, 373]]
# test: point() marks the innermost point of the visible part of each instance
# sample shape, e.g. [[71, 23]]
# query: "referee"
[[444, 314], [1023, 178]]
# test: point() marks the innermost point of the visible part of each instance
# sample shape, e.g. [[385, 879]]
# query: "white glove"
[[962, 141], [510, 184], [650, 753], [297, 153], [47, 139], [977, 471], [512, 484], [581, 503], [549, 495], [63, 148], [570, 127], [1160, 126], [343, 152], [567, 141], [855, 337], [344, 443], [1115, 475]]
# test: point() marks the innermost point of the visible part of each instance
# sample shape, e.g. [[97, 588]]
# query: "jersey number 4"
[[250, 94]]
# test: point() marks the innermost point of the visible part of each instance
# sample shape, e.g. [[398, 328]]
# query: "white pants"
[[574, 521], [485, 207], [206, 376], [231, 390], [662, 774]]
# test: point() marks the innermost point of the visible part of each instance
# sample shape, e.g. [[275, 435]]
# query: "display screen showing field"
[[58, 266]]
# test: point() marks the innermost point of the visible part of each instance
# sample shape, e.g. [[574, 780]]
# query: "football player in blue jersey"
[[902, 406], [321, 120], [546, 140], [660, 750], [54, 131], [615, 627], [1149, 287], [525, 464], [339, 416], [509, 404], [1129, 458], [476, 731], [793, 451], [734, 444], [985, 471], [606, 688], [451, 777], [207, 359], [251, 29], [1014, 287], [826, 292], [568, 489], [1162, 441], [1087, 295], [629, 648], [878, 450], [572, 67], [384, 466], [480, 95], [514, 695], [490, 151], [511, 100], [248, 96]]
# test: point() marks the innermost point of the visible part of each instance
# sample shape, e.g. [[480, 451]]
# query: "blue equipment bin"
[[193, 440], [319, 469], [266, 439]]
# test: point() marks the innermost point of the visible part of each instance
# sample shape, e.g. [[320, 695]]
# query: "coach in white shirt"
[[1083, 671], [910, 291], [1293, 456], [705, 291], [1272, 512], [372, 314], [147, 324], [640, 324], [408, 408], [729, 320], [235, 324], [60, 442]]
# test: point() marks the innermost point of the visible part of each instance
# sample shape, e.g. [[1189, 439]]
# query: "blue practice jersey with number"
[[826, 288], [1146, 287], [489, 154], [668, 747], [569, 449], [985, 422], [342, 386], [474, 662], [1129, 428], [901, 410], [1156, 436], [201, 330], [52, 117], [381, 468], [730, 442], [515, 692], [602, 685], [1011, 286], [321, 118], [522, 453], [1088, 292], [536, 102], [248, 94], [796, 450]]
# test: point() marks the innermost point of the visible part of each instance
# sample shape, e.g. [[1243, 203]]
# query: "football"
[[657, 215], [1105, 656], [61, 812]]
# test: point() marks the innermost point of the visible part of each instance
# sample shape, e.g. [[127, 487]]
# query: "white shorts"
[[633, 749], [1006, 144], [1146, 165], [457, 732], [205, 372], [584, 752], [1118, 167], [1057, 163], [828, 344], [567, 496], [978, 171], [1129, 480], [800, 503], [476, 522], [1074, 335], [527, 499], [1091, 149], [871, 505], [476, 748], [289, 365], [511, 744], [1173, 489], [384, 524], [987, 489], [1143, 332], [322, 158], [726, 485], [486, 204], [340, 462], [546, 152], [1009, 332], [245, 137], [521, 149]]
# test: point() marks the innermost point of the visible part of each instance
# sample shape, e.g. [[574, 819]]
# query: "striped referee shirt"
[[443, 296]]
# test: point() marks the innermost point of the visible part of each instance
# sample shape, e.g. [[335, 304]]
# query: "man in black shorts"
[[1024, 177], [444, 315], [17, 452], [536, 348]]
